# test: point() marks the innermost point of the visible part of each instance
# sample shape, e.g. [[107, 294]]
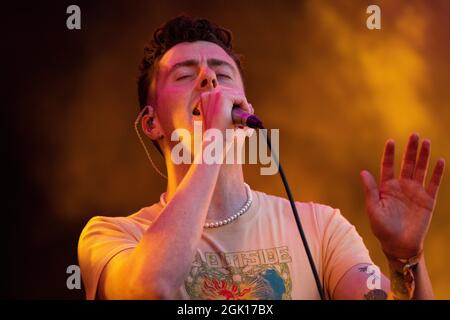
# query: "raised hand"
[[400, 209]]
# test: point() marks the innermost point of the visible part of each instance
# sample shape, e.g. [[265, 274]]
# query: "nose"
[[207, 81]]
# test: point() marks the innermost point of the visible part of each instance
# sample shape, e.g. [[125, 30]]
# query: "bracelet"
[[402, 281]]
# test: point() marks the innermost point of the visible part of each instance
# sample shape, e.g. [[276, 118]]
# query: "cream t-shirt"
[[258, 256]]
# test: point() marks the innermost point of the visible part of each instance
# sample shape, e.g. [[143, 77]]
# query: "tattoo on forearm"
[[362, 269], [402, 285], [373, 283], [376, 294]]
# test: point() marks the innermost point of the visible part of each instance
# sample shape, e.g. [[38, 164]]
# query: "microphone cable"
[[257, 124], [252, 121]]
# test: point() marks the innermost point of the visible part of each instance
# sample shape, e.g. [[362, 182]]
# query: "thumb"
[[370, 187]]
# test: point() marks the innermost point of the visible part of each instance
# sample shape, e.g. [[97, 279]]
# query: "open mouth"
[[196, 110]]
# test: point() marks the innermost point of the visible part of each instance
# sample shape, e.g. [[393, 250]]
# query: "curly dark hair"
[[177, 30]]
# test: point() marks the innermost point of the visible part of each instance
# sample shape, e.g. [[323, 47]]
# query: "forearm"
[[421, 285], [165, 253], [423, 289]]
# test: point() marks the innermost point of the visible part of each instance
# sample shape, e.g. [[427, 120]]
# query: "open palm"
[[400, 209]]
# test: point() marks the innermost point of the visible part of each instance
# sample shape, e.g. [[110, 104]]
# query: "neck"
[[229, 193]]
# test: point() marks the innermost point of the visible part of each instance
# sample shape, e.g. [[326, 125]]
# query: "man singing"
[[212, 237]]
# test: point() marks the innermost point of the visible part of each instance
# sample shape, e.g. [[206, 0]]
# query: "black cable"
[[258, 124]]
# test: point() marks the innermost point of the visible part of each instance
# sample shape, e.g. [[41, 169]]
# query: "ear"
[[150, 124]]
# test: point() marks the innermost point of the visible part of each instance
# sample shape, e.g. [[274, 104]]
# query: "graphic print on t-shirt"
[[245, 275]]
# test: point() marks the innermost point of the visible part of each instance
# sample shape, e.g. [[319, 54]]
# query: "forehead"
[[198, 50]]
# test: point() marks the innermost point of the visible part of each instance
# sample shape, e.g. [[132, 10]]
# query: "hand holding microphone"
[[239, 116], [215, 102]]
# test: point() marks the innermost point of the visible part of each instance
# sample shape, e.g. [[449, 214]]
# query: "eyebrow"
[[192, 63]]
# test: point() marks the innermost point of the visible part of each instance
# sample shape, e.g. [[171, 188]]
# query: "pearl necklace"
[[223, 222]]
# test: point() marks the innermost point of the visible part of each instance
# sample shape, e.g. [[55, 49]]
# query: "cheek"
[[174, 108]]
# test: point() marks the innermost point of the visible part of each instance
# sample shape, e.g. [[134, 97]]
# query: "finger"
[[422, 162], [209, 102], [242, 102], [370, 187], [387, 164], [204, 101], [238, 98], [252, 111], [207, 108], [436, 179], [409, 157]]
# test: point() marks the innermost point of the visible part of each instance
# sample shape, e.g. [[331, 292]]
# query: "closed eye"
[[183, 77], [221, 75]]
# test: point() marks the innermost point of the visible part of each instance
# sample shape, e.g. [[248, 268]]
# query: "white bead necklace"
[[223, 222]]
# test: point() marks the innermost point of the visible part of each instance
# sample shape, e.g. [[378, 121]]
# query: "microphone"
[[241, 117]]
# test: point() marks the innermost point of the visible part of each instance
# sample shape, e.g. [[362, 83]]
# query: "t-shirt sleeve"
[[342, 246], [101, 239]]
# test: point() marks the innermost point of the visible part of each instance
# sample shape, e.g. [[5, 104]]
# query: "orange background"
[[336, 90]]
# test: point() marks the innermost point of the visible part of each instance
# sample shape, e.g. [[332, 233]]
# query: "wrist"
[[396, 252], [401, 262], [402, 275]]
